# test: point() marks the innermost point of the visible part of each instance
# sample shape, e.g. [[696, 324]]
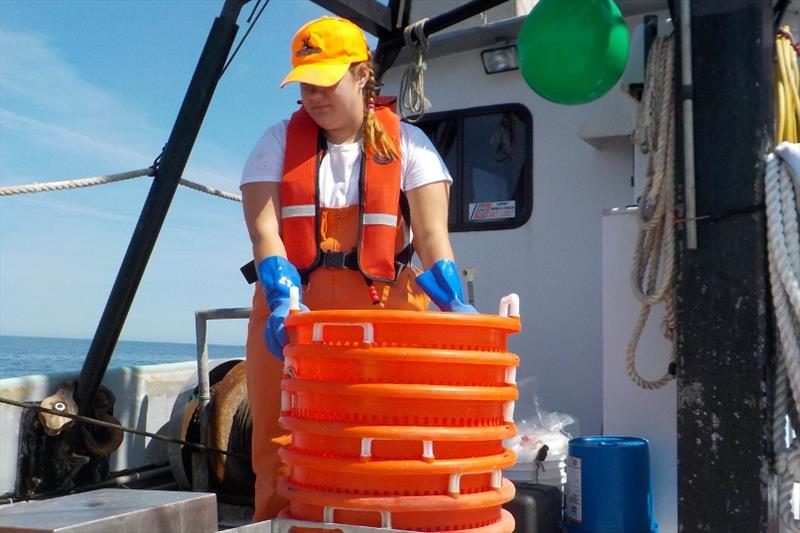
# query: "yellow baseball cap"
[[323, 49]]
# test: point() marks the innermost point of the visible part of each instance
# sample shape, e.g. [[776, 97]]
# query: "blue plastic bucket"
[[608, 486]]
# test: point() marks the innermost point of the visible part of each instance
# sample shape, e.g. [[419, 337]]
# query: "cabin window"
[[488, 151]]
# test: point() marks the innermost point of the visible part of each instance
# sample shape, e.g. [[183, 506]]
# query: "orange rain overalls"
[[327, 289]]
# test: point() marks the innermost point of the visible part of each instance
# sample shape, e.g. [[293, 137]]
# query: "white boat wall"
[[148, 398], [569, 260]]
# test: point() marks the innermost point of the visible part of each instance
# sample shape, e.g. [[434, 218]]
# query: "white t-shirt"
[[338, 173]]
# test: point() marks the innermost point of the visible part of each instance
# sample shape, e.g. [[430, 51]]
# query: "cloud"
[[36, 76], [63, 138], [48, 108]]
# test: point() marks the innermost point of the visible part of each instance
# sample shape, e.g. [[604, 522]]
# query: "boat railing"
[[201, 318]]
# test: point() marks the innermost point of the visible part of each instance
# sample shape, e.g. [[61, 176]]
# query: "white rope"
[[211, 190], [655, 135], [72, 184], [413, 104], [783, 241], [30, 188]]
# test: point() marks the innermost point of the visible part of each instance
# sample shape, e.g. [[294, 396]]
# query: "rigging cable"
[[246, 33], [655, 135], [782, 190]]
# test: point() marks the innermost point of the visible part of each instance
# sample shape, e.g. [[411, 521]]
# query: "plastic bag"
[[537, 428]]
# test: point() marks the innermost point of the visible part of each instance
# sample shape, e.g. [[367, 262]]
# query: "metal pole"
[[688, 126], [200, 478], [203, 386], [450, 18], [201, 319], [169, 171], [456, 15]]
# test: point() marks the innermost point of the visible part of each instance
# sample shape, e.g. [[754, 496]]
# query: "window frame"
[[525, 210]]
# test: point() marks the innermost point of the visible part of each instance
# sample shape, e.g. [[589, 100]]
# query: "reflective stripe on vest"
[[379, 194], [308, 210], [378, 218]]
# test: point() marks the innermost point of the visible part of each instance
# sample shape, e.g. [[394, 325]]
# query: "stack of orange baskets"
[[398, 417]]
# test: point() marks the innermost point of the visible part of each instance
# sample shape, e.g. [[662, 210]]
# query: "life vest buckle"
[[339, 260]]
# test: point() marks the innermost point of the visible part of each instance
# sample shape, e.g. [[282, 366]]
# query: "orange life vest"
[[379, 199]]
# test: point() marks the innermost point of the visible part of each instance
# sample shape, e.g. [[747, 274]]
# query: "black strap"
[[326, 259], [405, 209], [339, 260], [403, 259], [249, 272], [347, 260]]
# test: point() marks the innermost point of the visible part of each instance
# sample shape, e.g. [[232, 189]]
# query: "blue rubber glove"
[[277, 276], [443, 285]]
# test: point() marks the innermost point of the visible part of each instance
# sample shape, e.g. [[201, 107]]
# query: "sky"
[[93, 87]]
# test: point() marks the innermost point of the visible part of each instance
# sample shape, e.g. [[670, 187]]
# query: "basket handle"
[[509, 306], [366, 448], [508, 411], [368, 329], [454, 483], [329, 516], [294, 299]]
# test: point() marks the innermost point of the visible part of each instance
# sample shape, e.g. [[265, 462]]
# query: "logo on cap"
[[308, 49]]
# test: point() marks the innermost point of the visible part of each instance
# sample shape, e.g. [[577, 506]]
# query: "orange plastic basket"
[[399, 404], [384, 328], [505, 525], [473, 512], [435, 366], [396, 477], [398, 418], [395, 442]]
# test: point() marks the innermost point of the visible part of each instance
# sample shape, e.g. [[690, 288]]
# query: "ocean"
[[21, 356]]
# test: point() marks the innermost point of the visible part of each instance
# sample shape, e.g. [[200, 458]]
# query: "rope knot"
[[412, 102], [418, 29]]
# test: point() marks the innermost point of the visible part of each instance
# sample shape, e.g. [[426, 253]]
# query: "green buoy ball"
[[573, 51]]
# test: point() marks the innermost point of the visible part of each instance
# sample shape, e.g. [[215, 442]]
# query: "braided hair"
[[375, 137]]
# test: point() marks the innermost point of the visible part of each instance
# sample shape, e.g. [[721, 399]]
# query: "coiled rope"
[[412, 101], [783, 239], [30, 188], [782, 189], [655, 135]]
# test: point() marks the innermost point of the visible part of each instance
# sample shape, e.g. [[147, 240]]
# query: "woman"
[[324, 196]]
